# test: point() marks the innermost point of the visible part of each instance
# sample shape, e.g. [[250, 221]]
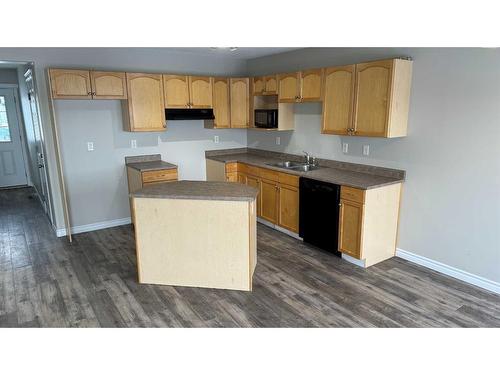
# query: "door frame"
[[22, 128]]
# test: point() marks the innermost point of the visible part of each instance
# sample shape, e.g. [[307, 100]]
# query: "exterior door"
[[12, 167]]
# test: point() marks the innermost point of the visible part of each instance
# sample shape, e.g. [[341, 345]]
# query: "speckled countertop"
[[348, 174], [144, 163], [200, 190]]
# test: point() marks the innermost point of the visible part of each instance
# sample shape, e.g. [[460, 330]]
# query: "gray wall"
[[451, 200], [8, 76], [103, 117]]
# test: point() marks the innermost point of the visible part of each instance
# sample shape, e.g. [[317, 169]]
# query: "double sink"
[[294, 166]]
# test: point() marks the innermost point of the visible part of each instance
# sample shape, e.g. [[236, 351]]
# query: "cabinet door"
[[200, 92], [109, 85], [232, 176], [270, 85], [258, 85], [338, 99], [221, 103], [269, 200], [310, 85], [373, 90], [255, 182], [146, 109], [70, 84], [351, 223], [289, 208], [239, 102], [288, 87], [176, 91]]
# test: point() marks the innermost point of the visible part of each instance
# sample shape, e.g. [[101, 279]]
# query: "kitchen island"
[[196, 233]]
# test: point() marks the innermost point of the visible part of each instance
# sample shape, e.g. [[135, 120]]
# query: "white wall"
[[451, 200], [126, 59]]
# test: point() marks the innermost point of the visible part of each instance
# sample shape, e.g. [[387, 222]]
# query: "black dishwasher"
[[319, 214]]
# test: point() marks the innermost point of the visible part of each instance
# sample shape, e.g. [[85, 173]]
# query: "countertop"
[[327, 173], [200, 190], [153, 165]]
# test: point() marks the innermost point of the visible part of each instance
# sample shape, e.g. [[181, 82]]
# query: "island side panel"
[[253, 238], [216, 170], [134, 179], [199, 243]]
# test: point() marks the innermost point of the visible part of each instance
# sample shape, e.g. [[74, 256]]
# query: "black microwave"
[[266, 118]]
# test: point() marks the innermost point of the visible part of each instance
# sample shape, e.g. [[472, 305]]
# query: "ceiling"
[[240, 53]]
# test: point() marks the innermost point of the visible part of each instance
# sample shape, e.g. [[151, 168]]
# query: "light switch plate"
[[278, 141], [90, 146], [366, 150], [216, 139], [345, 147], [133, 143]]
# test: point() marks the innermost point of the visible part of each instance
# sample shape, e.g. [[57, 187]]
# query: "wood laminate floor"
[[47, 282]]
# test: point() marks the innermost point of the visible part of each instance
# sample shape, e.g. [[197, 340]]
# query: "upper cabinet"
[[187, 91], [85, 84], [221, 103], [369, 99], [267, 85], [145, 109], [288, 87], [338, 99], [176, 90], [108, 85], [304, 86], [70, 84], [200, 92], [382, 98], [240, 95]]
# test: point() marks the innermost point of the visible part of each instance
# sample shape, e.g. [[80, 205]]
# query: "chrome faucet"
[[307, 157]]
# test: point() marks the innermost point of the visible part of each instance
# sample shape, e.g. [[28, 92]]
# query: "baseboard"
[[357, 262], [459, 274], [94, 226], [278, 228]]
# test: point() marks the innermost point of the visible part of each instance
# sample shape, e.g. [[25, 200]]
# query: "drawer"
[[289, 179], [269, 174], [231, 167], [157, 182], [254, 171], [352, 194], [159, 175]]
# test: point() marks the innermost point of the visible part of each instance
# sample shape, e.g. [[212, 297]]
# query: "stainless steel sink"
[[294, 166]]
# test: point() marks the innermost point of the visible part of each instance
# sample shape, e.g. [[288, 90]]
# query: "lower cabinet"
[[288, 215], [269, 200], [368, 223], [254, 182]]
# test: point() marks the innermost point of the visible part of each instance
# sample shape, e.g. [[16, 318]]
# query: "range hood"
[[189, 114]]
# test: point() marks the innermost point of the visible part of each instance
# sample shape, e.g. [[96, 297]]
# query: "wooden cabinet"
[[144, 110], [176, 91], [288, 87], [242, 178], [187, 91], [382, 98], [267, 85], [258, 85], [338, 99], [310, 85], [86, 84], [368, 222], [108, 85], [304, 86], [137, 180], [240, 93], [288, 207], [70, 84], [221, 103], [269, 196], [254, 182]]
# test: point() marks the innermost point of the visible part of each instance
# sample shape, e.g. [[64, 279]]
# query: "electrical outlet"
[[278, 141], [345, 147], [133, 143], [216, 139], [90, 146], [366, 150]]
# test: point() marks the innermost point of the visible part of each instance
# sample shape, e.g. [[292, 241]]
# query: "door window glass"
[[4, 123]]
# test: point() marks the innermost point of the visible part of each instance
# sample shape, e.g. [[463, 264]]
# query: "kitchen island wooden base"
[[196, 243]]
